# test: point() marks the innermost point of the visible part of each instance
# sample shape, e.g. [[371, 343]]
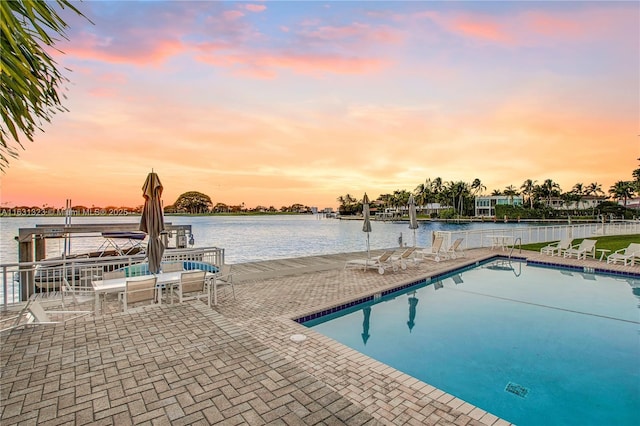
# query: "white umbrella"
[[366, 226], [413, 220]]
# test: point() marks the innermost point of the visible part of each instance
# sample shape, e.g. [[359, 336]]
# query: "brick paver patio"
[[234, 364]]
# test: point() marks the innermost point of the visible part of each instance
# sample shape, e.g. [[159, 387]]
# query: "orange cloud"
[[482, 29]]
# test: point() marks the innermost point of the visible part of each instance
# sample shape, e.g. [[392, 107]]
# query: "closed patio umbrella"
[[413, 220], [365, 324], [152, 221], [413, 303], [366, 226]]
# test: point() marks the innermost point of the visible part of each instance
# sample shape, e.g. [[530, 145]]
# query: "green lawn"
[[609, 242]]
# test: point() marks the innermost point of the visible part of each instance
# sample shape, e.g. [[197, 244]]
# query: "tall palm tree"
[[578, 191], [477, 186], [622, 190], [527, 188], [550, 189], [636, 177]]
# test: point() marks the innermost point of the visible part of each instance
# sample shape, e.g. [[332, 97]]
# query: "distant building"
[[586, 202], [486, 205], [632, 203]]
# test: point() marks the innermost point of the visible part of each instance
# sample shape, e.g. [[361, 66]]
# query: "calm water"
[[532, 345], [251, 238]]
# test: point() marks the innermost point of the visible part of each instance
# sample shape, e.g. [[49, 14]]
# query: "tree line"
[[460, 196]]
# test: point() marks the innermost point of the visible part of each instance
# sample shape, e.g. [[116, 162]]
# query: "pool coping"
[[336, 307]]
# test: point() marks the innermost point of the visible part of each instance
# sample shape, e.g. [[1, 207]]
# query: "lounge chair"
[[407, 254], [435, 251], [581, 250], [455, 251], [558, 247], [625, 255], [381, 263], [193, 287], [139, 291], [33, 314]]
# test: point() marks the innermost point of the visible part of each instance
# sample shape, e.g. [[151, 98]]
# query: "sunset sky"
[[276, 103]]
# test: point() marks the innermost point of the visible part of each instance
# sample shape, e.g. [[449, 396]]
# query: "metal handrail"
[[20, 280], [514, 246]]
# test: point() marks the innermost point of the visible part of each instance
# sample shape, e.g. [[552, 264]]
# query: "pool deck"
[[234, 364]]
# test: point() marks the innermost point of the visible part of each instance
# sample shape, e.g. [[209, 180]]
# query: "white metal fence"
[[539, 234], [18, 281]]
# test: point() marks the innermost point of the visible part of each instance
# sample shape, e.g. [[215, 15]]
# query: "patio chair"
[[136, 291], [172, 267], [224, 278], [435, 251], [628, 254], [407, 254], [192, 283], [455, 251], [113, 275], [557, 247], [381, 263], [580, 251]]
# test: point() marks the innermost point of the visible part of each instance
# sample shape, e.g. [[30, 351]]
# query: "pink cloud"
[[232, 15], [264, 65], [481, 29], [148, 51], [257, 8]]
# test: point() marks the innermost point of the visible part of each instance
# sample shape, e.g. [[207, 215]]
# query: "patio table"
[[164, 279]]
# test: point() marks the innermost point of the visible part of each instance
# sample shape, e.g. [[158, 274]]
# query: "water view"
[[253, 238]]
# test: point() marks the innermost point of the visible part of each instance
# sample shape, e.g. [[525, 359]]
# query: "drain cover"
[[516, 389]]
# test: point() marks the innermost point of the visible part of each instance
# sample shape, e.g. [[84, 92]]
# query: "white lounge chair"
[[435, 251], [581, 250], [557, 247], [407, 254], [33, 314], [625, 255], [455, 251], [381, 263]]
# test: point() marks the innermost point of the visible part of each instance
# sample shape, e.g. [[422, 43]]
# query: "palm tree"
[[30, 79], [594, 189], [477, 186], [550, 189], [496, 193], [527, 188], [622, 190], [579, 191], [636, 177], [510, 191]]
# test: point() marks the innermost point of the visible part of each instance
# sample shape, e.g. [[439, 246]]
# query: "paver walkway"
[[235, 364]]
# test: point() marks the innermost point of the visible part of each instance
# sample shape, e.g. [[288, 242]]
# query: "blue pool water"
[[529, 344]]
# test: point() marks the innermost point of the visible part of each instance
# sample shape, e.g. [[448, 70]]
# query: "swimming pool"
[[533, 345]]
